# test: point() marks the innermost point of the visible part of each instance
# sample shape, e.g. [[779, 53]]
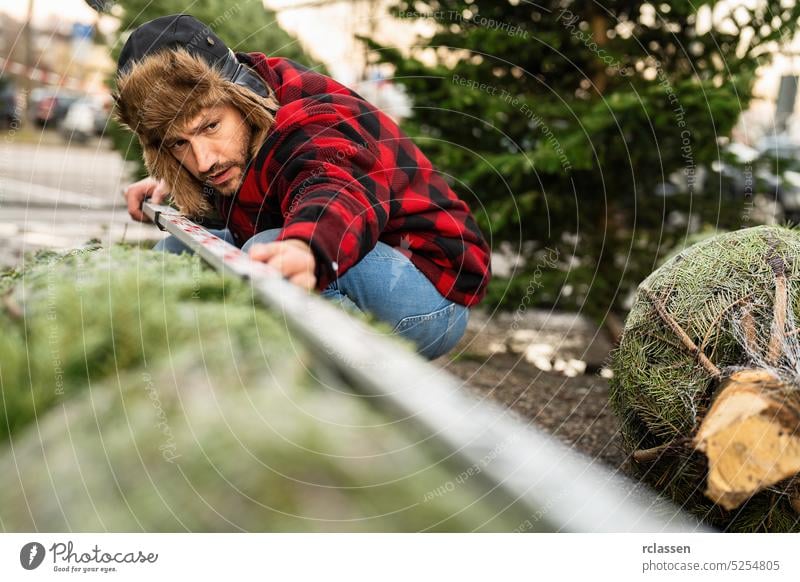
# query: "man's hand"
[[292, 257], [135, 194]]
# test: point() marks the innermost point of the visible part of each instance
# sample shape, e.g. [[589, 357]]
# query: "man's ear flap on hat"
[[120, 113], [117, 110]]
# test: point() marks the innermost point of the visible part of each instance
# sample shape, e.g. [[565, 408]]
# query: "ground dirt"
[[576, 410]]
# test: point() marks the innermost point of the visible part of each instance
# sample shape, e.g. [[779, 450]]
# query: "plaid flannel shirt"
[[340, 175]]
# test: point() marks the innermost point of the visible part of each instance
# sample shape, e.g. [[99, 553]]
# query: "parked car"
[[9, 106], [767, 177], [778, 173], [783, 188], [85, 118], [779, 146], [53, 107], [103, 114]]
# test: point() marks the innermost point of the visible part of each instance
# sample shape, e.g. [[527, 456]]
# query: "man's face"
[[213, 147]]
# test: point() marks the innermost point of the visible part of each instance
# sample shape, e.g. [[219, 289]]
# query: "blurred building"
[[330, 29], [64, 54]]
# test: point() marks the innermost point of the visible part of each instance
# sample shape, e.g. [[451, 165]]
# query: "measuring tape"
[[537, 475]]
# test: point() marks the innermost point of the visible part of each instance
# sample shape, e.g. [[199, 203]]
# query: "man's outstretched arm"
[[333, 191]]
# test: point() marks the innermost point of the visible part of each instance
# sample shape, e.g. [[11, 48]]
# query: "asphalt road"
[[61, 196]]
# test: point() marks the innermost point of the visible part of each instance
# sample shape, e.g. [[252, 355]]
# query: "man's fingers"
[[279, 253], [135, 205], [263, 252], [289, 260], [305, 280], [159, 193], [135, 195], [287, 263]]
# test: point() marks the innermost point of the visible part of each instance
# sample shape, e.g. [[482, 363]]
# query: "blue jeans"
[[386, 284]]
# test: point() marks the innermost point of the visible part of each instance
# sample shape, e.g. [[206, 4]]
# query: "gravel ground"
[[574, 409]]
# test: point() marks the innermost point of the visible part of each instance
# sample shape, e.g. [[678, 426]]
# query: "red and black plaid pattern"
[[339, 174]]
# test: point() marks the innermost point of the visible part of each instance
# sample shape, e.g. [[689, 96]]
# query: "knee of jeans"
[[455, 329], [447, 333], [434, 333], [265, 236], [171, 244], [334, 296], [451, 334]]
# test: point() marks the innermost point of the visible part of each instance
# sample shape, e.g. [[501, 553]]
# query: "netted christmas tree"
[[707, 379]]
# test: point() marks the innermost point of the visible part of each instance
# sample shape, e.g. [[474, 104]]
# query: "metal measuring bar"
[[539, 476]]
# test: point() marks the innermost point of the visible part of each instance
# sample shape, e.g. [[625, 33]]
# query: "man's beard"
[[232, 184]]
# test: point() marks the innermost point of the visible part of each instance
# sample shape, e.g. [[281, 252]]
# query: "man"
[[307, 176]]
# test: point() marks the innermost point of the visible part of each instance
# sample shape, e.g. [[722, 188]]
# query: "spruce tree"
[[560, 121]]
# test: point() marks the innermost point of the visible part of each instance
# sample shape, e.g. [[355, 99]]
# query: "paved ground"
[[60, 195]]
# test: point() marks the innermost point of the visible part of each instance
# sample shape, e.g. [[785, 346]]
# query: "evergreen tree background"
[[244, 26], [559, 121]]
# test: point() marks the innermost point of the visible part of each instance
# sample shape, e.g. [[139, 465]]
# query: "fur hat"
[[157, 94]]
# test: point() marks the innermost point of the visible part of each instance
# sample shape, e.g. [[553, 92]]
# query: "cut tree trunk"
[[750, 436]]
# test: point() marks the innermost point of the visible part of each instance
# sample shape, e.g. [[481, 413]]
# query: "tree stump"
[[750, 437]]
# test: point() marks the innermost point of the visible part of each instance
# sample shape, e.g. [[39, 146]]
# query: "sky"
[[327, 32], [77, 10]]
